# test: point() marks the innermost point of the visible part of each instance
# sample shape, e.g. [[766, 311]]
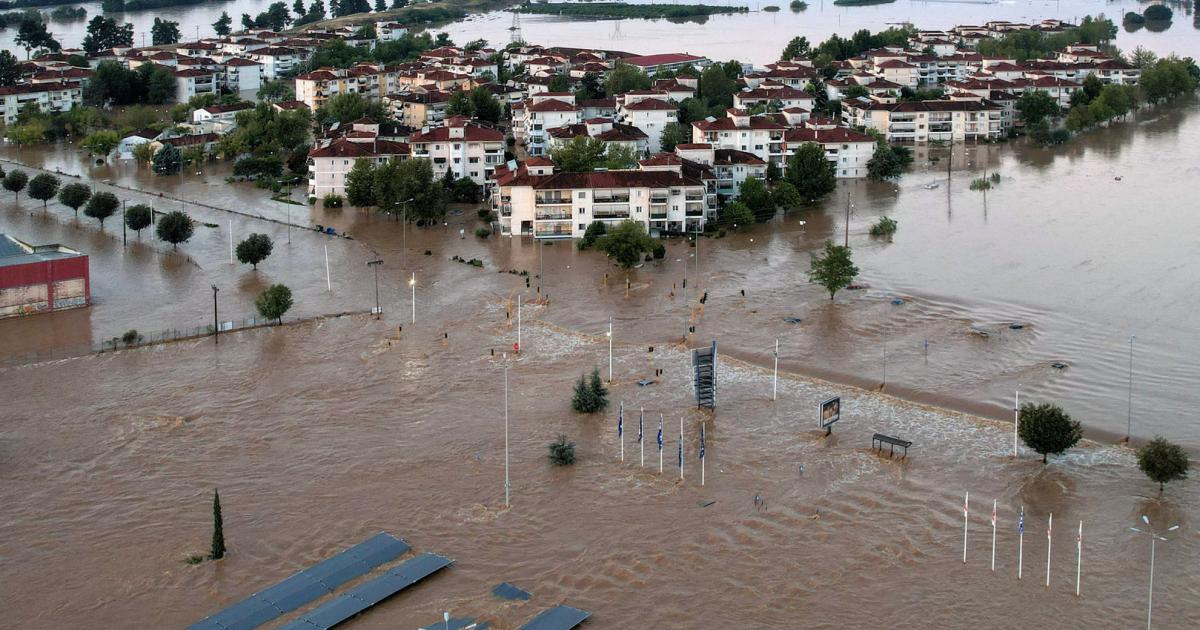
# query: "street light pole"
[[1154, 538], [374, 264], [610, 350], [848, 204], [1129, 416], [216, 325], [507, 485], [124, 238], [412, 282]]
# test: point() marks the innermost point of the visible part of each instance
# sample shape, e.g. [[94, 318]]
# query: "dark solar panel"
[[557, 618], [504, 590], [307, 585], [367, 594]]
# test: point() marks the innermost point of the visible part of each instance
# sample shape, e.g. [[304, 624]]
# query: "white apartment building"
[[848, 150], [562, 205], [191, 82], [242, 75], [328, 165], [730, 167], [278, 61], [784, 96], [539, 113], [220, 113], [390, 31], [602, 129], [464, 148], [922, 121], [759, 135], [50, 97], [649, 115]]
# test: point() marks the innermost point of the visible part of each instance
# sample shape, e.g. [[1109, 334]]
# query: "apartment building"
[[649, 115], [242, 75], [328, 165], [418, 108], [652, 64], [848, 150], [539, 113], [603, 129], [464, 148], [730, 167], [49, 97], [191, 82], [922, 121], [761, 135], [562, 205], [278, 61]]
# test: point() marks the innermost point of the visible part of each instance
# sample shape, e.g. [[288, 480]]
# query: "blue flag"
[[639, 427], [681, 452], [621, 421], [660, 434], [1021, 522], [702, 441]]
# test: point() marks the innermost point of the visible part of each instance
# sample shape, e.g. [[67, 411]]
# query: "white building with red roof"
[[464, 148]]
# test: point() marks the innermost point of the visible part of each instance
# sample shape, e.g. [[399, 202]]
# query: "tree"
[[460, 105], [164, 32], [346, 107], [218, 538], [275, 91], [143, 153], [248, 22], [298, 8], [101, 206], [580, 155], [833, 270], [32, 34], [15, 181], [810, 171], [625, 78], [254, 249], [103, 33], [618, 157], [1079, 118], [360, 184], [674, 134], [167, 160], [559, 83], [798, 47], [754, 194], [274, 302], [562, 451], [10, 69], [773, 172], [276, 17], [397, 181], [784, 195], [590, 394], [736, 215], [138, 218], [380, 6], [717, 86], [74, 195], [158, 83], [221, 26], [1142, 57], [486, 107], [1036, 106], [175, 227], [43, 187], [101, 143], [595, 230], [627, 243], [884, 164], [1046, 429], [1163, 461], [1158, 13]]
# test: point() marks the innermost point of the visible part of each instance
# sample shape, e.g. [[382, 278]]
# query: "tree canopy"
[[274, 302], [254, 249], [74, 195], [139, 217], [104, 33], [1163, 461], [175, 227], [164, 32], [810, 171], [101, 206], [833, 269], [43, 187], [626, 243], [1046, 429]]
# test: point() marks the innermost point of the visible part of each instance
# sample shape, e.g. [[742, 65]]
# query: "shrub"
[[562, 452], [131, 337], [590, 394], [1163, 461], [594, 231], [483, 232], [332, 200], [1157, 13], [660, 251], [1134, 18], [175, 227], [258, 167], [885, 227], [1046, 429]]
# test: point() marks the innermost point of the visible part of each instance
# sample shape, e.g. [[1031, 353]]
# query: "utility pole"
[[507, 485], [847, 241], [124, 236], [1129, 412], [216, 325], [374, 264]]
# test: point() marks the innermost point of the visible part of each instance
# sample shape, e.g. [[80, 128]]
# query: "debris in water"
[[1016, 326], [1058, 365], [706, 503], [644, 382], [897, 302], [792, 320], [504, 590]]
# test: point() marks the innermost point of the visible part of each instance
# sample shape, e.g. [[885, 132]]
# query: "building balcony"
[[611, 211], [694, 196], [552, 229], [658, 215], [552, 214], [506, 209], [694, 209], [552, 200], [611, 199]]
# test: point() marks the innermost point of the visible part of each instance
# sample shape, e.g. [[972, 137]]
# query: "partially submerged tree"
[[562, 452], [43, 188], [218, 537], [1163, 461], [175, 227], [101, 206], [274, 302], [74, 195], [138, 218], [1046, 429], [590, 394], [254, 249], [15, 181], [834, 269], [626, 243]]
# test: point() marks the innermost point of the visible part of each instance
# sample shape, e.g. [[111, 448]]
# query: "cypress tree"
[[218, 539]]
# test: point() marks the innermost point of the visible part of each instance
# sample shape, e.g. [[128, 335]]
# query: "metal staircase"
[[704, 362]]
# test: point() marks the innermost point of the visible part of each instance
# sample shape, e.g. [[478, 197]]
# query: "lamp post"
[[404, 229], [507, 485], [1129, 412], [1154, 538], [610, 339], [124, 239], [412, 282], [216, 325], [374, 264]]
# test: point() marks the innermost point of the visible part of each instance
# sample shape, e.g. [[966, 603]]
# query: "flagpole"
[[1021, 544], [621, 428], [1016, 421], [966, 503], [610, 350], [993, 535], [681, 449], [701, 454], [660, 444], [775, 382], [641, 441], [1078, 558], [1049, 540], [519, 296]]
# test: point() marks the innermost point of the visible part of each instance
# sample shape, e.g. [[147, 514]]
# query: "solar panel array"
[[557, 618], [366, 595], [307, 585]]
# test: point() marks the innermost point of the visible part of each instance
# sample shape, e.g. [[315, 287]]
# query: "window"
[[457, 160], [457, 146], [582, 226], [473, 160], [474, 173], [582, 194]]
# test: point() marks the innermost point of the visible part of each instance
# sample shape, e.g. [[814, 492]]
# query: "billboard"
[[831, 411]]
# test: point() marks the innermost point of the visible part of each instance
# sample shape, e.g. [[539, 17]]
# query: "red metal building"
[[41, 278]]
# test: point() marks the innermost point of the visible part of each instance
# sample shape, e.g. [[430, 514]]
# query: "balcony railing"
[[694, 209], [656, 216], [693, 196], [554, 214], [549, 200], [611, 211], [551, 229]]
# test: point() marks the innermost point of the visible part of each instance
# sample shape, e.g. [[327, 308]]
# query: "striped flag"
[[621, 420], [680, 452], [993, 515], [660, 435], [639, 427], [965, 501], [702, 441], [1021, 521]]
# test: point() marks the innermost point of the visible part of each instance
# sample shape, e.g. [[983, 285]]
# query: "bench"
[[892, 442]]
